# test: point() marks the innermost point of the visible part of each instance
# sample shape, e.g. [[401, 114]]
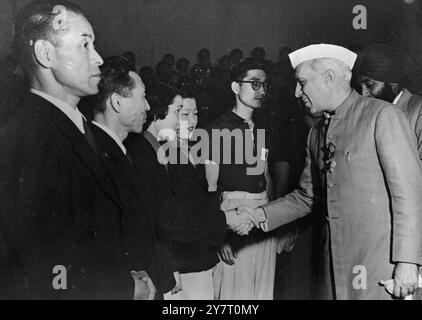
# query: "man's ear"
[[44, 53], [329, 77], [115, 103], [235, 87]]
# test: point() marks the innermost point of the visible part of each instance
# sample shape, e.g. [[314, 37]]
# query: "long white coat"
[[371, 200]]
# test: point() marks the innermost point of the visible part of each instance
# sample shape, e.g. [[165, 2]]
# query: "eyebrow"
[[88, 35]]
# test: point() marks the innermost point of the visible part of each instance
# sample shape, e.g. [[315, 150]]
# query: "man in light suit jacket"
[[362, 166], [384, 74]]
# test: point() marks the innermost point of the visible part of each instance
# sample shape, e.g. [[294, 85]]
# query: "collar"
[[111, 134], [242, 119], [161, 157], [184, 147], [341, 110], [403, 101], [152, 140], [72, 113], [235, 118], [396, 99]]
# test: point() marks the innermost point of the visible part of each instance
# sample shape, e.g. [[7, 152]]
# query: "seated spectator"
[[182, 67], [147, 75], [236, 57]]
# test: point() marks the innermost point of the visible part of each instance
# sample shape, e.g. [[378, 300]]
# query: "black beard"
[[386, 94]]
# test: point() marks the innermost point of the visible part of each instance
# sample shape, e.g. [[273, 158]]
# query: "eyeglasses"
[[256, 85]]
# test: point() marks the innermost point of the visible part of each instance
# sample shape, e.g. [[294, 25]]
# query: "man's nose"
[[262, 88], [97, 58], [298, 91], [148, 107], [192, 119]]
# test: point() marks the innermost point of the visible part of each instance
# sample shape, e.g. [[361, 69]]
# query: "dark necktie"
[[129, 158], [89, 136]]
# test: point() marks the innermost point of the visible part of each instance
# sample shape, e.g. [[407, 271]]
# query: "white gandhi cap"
[[316, 51]]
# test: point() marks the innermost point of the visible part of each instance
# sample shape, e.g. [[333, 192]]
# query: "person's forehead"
[[367, 79], [256, 74], [78, 27], [304, 70], [189, 103]]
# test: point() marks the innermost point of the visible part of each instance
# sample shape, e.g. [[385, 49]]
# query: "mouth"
[[143, 117], [306, 101]]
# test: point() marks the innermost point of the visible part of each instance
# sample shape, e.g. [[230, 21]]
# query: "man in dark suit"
[[120, 108], [59, 219]]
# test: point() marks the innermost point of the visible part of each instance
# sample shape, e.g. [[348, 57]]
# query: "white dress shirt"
[[396, 99]]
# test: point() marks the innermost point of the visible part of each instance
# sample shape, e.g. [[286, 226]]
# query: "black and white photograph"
[[205, 150]]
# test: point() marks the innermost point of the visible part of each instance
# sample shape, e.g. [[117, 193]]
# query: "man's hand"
[[178, 287], [238, 222], [405, 279], [144, 287], [227, 254], [256, 216]]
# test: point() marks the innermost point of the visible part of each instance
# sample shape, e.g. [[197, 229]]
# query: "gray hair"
[[340, 68], [36, 21]]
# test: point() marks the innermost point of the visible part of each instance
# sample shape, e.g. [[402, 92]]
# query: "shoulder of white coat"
[[372, 107]]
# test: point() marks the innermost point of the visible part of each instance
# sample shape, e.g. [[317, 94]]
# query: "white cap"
[[316, 51]]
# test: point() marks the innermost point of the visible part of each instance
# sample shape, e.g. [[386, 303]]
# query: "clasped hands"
[[242, 219]]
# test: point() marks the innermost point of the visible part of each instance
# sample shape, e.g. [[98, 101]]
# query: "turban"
[[383, 63], [316, 51]]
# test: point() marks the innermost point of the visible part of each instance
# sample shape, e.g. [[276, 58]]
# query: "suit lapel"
[[115, 160], [79, 143]]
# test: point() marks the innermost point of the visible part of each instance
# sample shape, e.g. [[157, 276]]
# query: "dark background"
[[152, 28]]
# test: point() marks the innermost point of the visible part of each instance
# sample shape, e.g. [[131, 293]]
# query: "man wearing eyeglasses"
[[59, 217], [363, 168], [247, 266]]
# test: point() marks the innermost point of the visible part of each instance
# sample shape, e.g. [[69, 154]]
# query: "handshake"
[[242, 219]]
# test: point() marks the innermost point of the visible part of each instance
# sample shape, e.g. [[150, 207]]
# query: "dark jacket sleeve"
[[29, 184]]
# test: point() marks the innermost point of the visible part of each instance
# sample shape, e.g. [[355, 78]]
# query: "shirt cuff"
[[263, 224]]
